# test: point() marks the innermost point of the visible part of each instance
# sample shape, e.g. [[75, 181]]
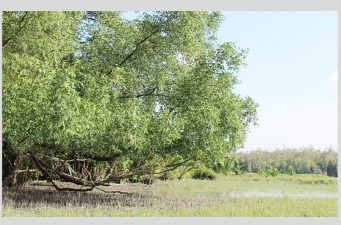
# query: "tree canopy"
[[141, 91]]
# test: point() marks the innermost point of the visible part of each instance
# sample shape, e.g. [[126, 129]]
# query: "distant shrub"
[[142, 179], [302, 160], [204, 174], [237, 170], [169, 175], [291, 170], [226, 166], [165, 176], [261, 171], [274, 172], [332, 169]]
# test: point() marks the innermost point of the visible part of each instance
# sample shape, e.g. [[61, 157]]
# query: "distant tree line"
[[289, 161]]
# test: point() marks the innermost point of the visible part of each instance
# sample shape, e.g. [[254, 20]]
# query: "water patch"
[[280, 194], [317, 194]]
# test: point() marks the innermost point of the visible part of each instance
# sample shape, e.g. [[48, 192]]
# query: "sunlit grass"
[[246, 182], [186, 197], [263, 207]]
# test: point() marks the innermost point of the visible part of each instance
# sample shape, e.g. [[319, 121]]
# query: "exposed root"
[[58, 188], [118, 192]]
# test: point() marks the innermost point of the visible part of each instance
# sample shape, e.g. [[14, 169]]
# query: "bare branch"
[[135, 50], [105, 158], [119, 192], [148, 92], [58, 188], [175, 165], [51, 172]]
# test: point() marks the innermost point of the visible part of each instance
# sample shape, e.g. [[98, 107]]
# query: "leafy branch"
[[21, 25]]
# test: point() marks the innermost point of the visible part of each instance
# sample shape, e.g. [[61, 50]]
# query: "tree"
[[290, 160], [138, 96]]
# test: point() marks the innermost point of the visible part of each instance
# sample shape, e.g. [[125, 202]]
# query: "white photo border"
[[178, 5]]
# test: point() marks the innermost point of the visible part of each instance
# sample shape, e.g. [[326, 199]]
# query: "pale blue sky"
[[291, 73]]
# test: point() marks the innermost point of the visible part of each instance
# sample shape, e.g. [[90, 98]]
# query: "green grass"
[[190, 197], [263, 207], [246, 182]]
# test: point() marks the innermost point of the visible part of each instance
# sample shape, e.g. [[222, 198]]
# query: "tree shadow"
[[43, 196]]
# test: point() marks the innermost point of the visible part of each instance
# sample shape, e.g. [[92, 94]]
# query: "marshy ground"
[[242, 195]]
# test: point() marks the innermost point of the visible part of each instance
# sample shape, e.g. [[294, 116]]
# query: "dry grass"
[[139, 196]]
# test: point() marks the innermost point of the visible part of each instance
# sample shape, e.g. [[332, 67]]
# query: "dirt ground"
[[42, 194]]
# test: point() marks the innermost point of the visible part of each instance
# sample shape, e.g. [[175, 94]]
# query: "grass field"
[[242, 195]]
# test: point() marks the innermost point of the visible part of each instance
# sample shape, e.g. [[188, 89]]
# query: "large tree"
[[144, 95]]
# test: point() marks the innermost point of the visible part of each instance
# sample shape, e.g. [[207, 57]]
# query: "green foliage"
[[261, 171], [290, 161], [169, 175], [145, 179], [332, 168], [226, 166], [274, 172], [203, 173], [291, 170], [95, 84]]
